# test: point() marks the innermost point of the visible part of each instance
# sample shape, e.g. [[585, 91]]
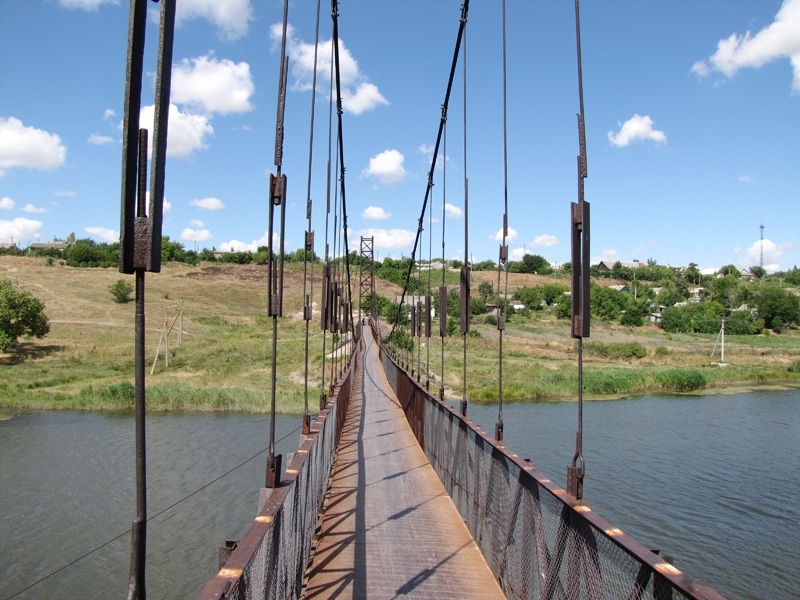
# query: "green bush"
[[121, 291], [794, 367], [632, 318], [661, 351]]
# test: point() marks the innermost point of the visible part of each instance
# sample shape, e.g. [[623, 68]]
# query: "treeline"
[[88, 253], [746, 308]]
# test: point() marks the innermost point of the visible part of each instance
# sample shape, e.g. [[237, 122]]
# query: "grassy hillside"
[[223, 362]]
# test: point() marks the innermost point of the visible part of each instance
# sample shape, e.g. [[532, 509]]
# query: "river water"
[[711, 481], [67, 486]]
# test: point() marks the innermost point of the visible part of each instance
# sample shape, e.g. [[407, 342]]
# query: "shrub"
[[794, 367], [777, 324], [121, 290], [661, 351], [682, 380], [632, 318]]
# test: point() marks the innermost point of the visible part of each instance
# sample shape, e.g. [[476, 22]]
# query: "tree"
[[776, 303], [121, 290], [21, 313], [533, 263], [486, 290], [530, 296], [731, 270]]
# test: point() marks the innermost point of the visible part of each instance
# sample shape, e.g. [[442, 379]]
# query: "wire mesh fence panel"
[[539, 541], [271, 559]]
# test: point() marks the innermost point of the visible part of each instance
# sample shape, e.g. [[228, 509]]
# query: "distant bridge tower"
[[761, 263], [366, 304]]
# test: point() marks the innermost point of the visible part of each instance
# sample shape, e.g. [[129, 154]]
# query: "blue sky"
[[692, 115]]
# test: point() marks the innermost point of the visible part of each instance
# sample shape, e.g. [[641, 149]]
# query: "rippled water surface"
[[712, 481], [67, 486]]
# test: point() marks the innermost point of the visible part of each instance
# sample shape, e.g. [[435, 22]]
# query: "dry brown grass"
[[226, 349]]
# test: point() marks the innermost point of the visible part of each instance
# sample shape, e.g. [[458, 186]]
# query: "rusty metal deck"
[[389, 529]]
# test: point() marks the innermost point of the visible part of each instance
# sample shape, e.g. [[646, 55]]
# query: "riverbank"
[[223, 361]]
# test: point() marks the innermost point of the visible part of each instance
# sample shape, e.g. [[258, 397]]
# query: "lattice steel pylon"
[[366, 300]]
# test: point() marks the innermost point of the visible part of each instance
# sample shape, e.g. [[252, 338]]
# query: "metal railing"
[[539, 541], [270, 560]]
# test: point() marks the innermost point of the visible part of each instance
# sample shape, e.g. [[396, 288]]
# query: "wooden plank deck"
[[389, 529]]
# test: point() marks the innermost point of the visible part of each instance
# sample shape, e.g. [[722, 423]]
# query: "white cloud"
[[197, 224], [90, 5], [512, 235], [772, 254], [207, 85], [746, 179], [426, 150], [452, 211], [779, 39], [185, 134], [387, 167], [109, 114], [362, 97], [636, 128], [30, 208], [606, 256], [105, 234], [375, 213], [19, 229], [7, 203], [208, 203], [232, 17], [165, 208], [386, 239], [28, 147], [64, 193], [195, 235], [545, 240], [518, 253], [358, 94], [100, 140], [237, 246]]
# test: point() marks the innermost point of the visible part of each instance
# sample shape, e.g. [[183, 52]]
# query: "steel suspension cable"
[[443, 288], [335, 15], [465, 272], [428, 300], [461, 30], [275, 272], [502, 262], [581, 311], [308, 299], [326, 272]]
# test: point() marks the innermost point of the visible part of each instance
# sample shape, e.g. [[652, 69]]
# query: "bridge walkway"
[[389, 528]]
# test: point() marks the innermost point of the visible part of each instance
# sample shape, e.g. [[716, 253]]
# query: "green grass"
[[223, 361]]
